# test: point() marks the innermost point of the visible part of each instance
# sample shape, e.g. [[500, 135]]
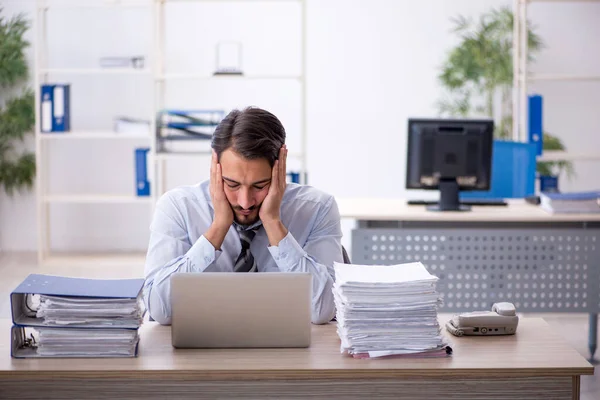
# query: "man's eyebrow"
[[230, 180], [255, 183], [262, 181]]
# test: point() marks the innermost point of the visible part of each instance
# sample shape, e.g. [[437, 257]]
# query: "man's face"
[[246, 184]]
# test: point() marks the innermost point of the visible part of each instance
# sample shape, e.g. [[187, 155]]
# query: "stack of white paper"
[[131, 126], [99, 312], [387, 310], [97, 327], [59, 342]]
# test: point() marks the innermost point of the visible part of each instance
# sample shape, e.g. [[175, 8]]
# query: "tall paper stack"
[[388, 311]]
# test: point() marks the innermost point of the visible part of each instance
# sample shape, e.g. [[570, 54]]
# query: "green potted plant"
[[17, 115], [478, 76], [549, 171]]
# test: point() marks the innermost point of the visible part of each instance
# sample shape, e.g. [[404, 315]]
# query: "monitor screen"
[[449, 155]]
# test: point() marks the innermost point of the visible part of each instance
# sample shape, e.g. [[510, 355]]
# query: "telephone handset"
[[502, 320]]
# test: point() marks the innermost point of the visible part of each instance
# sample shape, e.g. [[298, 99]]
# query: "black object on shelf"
[[535, 200], [469, 202], [228, 73]]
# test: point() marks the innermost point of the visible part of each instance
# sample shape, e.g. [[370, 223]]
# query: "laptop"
[[243, 310]]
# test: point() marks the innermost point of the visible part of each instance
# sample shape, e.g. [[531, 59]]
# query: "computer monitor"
[[449, 155]]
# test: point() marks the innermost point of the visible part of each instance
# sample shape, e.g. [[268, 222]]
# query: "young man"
[[245, 218]]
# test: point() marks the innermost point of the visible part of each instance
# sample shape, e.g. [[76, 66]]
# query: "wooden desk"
[[375, 209], [535, 363], [519, 253]]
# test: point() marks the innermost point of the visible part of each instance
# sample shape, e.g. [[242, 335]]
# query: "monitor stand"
[[449, 200]]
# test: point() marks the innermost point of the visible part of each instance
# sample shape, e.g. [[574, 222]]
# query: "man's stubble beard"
[[246, 223]]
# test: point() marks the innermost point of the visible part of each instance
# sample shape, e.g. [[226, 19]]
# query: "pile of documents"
[[60, 342], [188, 124], [131, 126], [388, 311], [56, 316], [98, 312], [122, 62], [187, 131], [575, 202]]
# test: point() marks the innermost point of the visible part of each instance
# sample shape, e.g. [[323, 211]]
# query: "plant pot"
[[548, 183]]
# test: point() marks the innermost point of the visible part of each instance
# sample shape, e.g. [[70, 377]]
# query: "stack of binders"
[[575, 202], [188, 124], [57, 316], [388, 311], [186, 131]]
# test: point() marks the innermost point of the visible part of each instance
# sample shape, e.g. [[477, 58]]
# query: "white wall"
[[371, 65]]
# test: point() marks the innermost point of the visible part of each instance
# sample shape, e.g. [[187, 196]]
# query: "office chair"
[[345, 256], [346, 260]]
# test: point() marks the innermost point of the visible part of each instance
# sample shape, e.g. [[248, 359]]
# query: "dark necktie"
[[245, 262]]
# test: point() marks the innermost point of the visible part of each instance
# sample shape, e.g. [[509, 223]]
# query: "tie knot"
[[246, 235]]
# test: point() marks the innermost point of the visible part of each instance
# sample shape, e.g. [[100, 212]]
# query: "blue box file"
[[536, 126], [142, 183], [513, 171], [55, 108], [293, 177]]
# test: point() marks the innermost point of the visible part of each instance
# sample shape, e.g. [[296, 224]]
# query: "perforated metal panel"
[[536, 269]]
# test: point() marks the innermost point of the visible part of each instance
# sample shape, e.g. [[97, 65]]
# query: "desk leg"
[[576, 387], [593, 324]]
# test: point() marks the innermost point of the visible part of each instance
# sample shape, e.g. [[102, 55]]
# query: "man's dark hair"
[[252, 132]]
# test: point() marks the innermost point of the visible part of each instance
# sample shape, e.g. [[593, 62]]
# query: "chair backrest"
[[345, 256], [346, 259]]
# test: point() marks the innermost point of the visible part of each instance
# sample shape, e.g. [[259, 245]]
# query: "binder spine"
[[55, 108], [142, 183], [536, 129]]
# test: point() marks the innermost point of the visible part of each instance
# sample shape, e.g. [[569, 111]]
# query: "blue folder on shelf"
[[142, 182], [536, 122], [55, 109]]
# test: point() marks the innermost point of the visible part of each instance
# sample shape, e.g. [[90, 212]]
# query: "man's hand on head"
[[270, 211], [223, 213]]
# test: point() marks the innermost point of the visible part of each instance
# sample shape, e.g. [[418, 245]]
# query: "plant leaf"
[[13, 65]]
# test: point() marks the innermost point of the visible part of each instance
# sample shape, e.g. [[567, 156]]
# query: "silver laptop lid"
[[222, 309]]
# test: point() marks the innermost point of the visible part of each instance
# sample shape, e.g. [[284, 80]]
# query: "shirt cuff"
[[202, 254], [288, 253]]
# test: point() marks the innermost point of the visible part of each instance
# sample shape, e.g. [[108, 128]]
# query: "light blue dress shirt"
[[177, 244]]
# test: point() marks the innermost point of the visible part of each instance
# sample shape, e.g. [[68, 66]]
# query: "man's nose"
[[245, 198]]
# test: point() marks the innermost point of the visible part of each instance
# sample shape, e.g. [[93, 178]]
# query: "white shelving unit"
[[94, 71], [45, 198], [83, 135], [158, 161], [522, 76], [163, 78]]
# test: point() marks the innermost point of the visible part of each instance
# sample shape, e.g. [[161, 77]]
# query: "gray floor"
[[14, 267]]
